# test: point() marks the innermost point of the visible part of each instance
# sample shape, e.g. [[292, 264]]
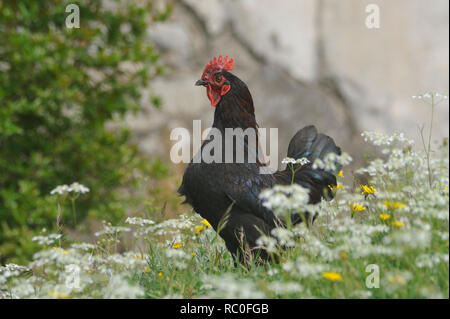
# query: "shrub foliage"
[[59, 86]]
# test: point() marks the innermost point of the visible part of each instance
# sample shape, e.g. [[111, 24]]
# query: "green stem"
[[430, 179], [288, 220], [73, 210], [293, 173], [58, 222]]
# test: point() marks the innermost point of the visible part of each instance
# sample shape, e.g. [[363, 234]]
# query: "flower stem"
[[428, 152], [73, 210]]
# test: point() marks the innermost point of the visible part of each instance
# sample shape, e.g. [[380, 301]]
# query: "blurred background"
[[305, 62], [96, 104]]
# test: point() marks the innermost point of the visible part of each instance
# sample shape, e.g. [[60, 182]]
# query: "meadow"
[[387, 238]]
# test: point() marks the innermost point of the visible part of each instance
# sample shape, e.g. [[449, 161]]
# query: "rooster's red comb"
[[219, 64]]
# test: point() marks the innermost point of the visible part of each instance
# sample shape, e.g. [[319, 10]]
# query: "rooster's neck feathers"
[[235, 109]]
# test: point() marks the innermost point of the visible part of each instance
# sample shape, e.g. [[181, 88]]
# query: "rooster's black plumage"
[[213, 189]]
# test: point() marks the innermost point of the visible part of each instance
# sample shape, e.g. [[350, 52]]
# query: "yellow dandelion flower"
[[366, 189], [446, 244], [340, 174], [332, 276], [160, 274], [385, 216], [59, 248], [393, 205], [58, 295], [199, 229], [396, 279], [193, 254], [356, 207], [177, 245], [207, 224], [147, 268], [335, 188], [397, 224]]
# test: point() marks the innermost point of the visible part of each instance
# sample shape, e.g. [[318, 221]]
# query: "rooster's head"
[[215, 80]]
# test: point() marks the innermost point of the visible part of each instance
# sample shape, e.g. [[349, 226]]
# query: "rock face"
[[305, 62]]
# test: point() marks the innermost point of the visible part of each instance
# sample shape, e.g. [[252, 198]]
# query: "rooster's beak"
[[201, 82]]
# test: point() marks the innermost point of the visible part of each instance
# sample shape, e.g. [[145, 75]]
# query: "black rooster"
[[217, 189]]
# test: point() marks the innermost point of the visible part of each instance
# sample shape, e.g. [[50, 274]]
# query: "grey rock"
[[305, 62]]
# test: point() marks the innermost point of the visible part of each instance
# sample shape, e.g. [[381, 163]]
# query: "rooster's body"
[[218, 188]]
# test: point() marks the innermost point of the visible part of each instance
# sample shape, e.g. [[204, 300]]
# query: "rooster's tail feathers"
[[312, 145]]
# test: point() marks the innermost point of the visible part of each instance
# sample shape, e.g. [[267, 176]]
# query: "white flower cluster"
[[398, 160], [311, 244], [177, 228], [289, 160], [284, 236], [413, 238], [285, 288], [74, 187], [112, 275], [302, 268], [378, 139], [268, 243], [84, 246], [228, 287], [144, 225], [49, 239], [431, 260], [183, 222], [429, 95], [111, 230], [9, 271], [394, 280], [178, 257], [128, 260], [332, 161], [285, 199], [139, 221], [120, 288]]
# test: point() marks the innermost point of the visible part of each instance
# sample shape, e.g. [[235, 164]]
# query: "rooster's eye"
[[218, 78]]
